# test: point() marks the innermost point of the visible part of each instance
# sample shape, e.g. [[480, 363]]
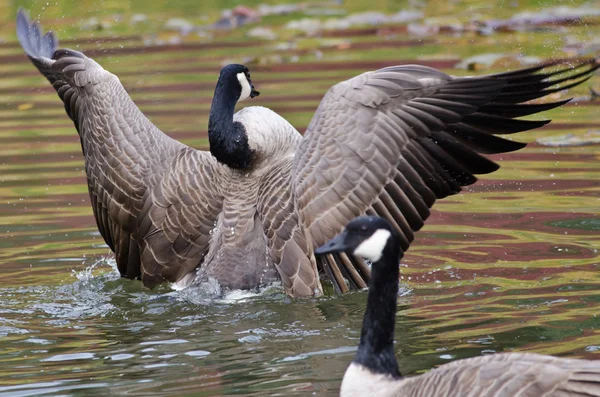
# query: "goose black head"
[[237, 78], [228, 139], [365, 236], [374, 238]]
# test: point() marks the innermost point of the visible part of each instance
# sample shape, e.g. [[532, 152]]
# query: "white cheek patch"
[[246, 89], [372, 248]]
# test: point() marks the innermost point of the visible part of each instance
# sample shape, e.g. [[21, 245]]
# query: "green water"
[[511, 264]]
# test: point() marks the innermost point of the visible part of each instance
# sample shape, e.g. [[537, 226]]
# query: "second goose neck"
[[228, 139], [376, 349]]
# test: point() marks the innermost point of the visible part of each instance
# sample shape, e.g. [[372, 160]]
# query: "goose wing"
[[392, 141], [178, 215], [289, 249], [124, 152], [507, 375]]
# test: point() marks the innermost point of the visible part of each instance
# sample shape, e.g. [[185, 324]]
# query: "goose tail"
[[39, 48], [583, 382]]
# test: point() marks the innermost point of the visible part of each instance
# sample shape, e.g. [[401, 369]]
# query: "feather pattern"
[[124, 152], [388, 142], [507, 375], [495, 375], [392, 141]]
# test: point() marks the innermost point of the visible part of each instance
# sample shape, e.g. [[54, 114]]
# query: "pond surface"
[[511, 264]]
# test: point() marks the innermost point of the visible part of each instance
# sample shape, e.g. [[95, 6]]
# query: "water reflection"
[[111, 329]]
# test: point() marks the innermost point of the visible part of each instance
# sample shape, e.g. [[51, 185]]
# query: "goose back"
[[504, 375]]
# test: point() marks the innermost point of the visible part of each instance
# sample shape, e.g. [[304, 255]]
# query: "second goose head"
[[366, 236], [375, 366], [228, 139]]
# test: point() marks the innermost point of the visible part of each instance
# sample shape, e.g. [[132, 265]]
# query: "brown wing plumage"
[[391, 142], [507, 375], [124, 152], [289, 249], [177, 217]]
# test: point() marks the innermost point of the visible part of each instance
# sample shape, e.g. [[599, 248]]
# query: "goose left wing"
[[124, 152], [392, 141], [177, 217]]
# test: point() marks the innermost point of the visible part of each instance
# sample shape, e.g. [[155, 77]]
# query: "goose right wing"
[[392, 141], [124, 152]]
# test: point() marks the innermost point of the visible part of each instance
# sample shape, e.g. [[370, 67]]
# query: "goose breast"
[[270, 136], [238, 256]]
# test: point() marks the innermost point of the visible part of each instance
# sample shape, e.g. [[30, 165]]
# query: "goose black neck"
[[376, 349], [228, 139]]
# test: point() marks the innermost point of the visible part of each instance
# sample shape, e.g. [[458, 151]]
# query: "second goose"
[[253, 208], [374, 371]]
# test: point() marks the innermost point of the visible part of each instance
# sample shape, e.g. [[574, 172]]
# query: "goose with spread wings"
[[252, 209]]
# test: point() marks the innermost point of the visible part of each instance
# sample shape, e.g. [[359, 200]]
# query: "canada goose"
[[374, 371], [252, 209]]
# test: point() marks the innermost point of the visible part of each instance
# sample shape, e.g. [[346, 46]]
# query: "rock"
[[405, 16], [369, 18], [180, 25], [138, 18], [239, 16], [491, 60], [575, 47], [285, 46], [557, 13], [307, 25], [262, 33], [279, 9], [422, 30], [324, 11], [528, 21], [204, 34], [94, 23], [336, 24], [246, 12], [588, 138]]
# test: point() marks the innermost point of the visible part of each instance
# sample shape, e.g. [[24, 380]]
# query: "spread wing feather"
[[124, 152], [391, 142]]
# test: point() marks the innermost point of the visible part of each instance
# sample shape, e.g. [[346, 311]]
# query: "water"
[[512, 264]]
